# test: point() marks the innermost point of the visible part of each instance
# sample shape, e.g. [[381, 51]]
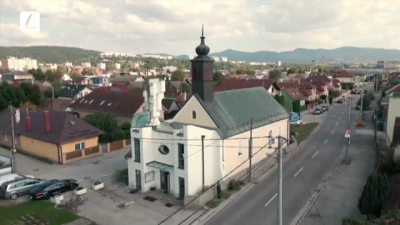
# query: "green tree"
[[366, 103], [37, 74], [74, 75], [178, 75], [87, 71], [274, 74], [32, 93], [49, 76], [185, 87], [11, 95], [107, 123], [330, 100], [374, 194], [218, 77], [334, 93], [323, 97]]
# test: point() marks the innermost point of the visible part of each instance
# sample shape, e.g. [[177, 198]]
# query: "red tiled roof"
[[336, 81], [286, 85], [240, 84], [308, 85], [340, 74], [109, 101], [322, 78], [295, 94]]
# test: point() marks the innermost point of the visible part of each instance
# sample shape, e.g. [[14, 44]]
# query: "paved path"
[[303, 173]]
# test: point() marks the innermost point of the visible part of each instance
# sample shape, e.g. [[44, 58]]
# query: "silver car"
[[18, 187]]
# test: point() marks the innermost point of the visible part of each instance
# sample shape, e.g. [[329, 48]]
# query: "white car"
[[296, 123], [10, 177]]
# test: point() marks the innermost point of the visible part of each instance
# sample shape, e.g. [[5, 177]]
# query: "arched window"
[[194, 114], [270, 139]]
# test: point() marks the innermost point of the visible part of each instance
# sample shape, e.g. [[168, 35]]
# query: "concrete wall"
[[70, 147], [202, 118], [39, 148], [393, 112]]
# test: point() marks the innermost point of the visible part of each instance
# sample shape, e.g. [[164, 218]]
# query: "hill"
[[303, 55], [50, 54]]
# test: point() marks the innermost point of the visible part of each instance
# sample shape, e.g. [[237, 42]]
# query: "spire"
[[202, 49]]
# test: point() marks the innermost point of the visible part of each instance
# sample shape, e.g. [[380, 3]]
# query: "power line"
[[199, 139]]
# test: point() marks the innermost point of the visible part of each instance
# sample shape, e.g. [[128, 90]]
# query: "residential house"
[[310, 89], [292, 94], [82, 80], [66, 78], [165, 155], [17, 77], [336, 84], [393, 119], [100, 81], [43, 86], [321, 79], [116, 100], [322, 87], [74, 91], [170, 107], [52, 135], [125, 80], [270, 85], [342, 75]]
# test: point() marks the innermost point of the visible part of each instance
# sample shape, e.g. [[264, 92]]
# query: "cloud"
[[174, 26]]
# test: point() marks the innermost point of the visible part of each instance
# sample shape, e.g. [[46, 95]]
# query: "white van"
[[10, 177]]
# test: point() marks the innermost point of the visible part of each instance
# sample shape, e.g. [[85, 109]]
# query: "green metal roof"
[[139, 120], [232, 110]]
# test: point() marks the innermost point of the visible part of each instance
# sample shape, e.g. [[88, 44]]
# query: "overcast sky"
[[174, 27]]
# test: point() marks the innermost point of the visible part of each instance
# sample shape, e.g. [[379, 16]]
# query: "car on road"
[[340, 101], [325, 108], [296, 123], [317, 111], [51, 188], [18, 187]]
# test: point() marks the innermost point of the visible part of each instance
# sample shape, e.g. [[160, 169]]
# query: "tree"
[[49, 75], [274, 74], [58, 74], [374, 194], [178, 75], [32, 93], [323, 97], [74, 75], [245, 71], [87, 71], [37, 74], [28, 105], [107, 123], [334, 93], [366, 103], [11, 95], [185, 87], [330, 100], [218, 77], [296, 106]]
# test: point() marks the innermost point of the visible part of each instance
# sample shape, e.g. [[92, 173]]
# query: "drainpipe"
[[59, 147]]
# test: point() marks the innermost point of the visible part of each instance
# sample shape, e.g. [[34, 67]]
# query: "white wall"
[[393, 112]]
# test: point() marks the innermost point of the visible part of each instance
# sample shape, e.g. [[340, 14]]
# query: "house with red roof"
[[342, 75], [270, 85]]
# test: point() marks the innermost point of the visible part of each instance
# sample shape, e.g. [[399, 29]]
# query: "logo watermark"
[[29, 21]]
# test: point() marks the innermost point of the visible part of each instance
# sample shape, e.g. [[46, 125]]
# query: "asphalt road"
[[307, 166]]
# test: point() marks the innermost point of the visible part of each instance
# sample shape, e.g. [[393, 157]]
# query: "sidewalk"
[[339, 198]]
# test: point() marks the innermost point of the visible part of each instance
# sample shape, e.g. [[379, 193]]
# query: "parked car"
[[317, 111], [18, 187], [340, 101], [325, 108], [51, 188], [13, 176], [295, 119]]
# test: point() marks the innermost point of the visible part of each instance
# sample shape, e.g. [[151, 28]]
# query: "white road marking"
[[107, 175], [298, 172], [314, 154], [325, 141], [332, 131], [336, 124], [276, 194]]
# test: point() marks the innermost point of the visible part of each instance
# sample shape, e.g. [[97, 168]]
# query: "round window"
[[163, 149]]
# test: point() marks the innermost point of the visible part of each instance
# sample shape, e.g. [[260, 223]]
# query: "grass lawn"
[[43, 209], [303, 131]]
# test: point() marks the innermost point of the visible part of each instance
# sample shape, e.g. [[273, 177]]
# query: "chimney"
[[46, 121], [17, 116], [28, 123]]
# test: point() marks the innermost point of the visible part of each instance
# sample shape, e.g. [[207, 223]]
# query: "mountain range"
[[57, 54]]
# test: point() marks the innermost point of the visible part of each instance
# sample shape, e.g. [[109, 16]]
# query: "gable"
[[202, 118]]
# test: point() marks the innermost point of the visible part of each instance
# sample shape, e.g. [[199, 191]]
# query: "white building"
[[48, 66], [171, 69], [23, 64], [67, 64], [134, 65], [216, 58], [86, 65], [117, 66], [101, 66], [168, 155], [224, 59]]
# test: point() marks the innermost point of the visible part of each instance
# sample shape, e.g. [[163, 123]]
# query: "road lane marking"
[[298, 172], [107, 175], [336, 124], [276, 194], [314, 154], [332, 131], [325, 141]]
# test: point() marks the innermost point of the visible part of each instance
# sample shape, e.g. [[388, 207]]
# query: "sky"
[[174, 27]]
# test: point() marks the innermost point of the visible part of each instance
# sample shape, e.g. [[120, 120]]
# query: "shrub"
[[234, 185], [375, 192], [318, 101], [218, 190], [126, 126]]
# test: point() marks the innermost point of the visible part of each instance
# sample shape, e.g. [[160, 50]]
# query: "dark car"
[[339, 101], [325, 108], [51, 188]]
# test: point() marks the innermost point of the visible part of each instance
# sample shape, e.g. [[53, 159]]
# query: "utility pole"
[[362, 99], [348, 128], [250, 147], [13, 150], [202, 157], [52, 97], [280, 180]]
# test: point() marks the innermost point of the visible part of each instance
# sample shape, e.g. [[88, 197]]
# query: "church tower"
[[202, 71]]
